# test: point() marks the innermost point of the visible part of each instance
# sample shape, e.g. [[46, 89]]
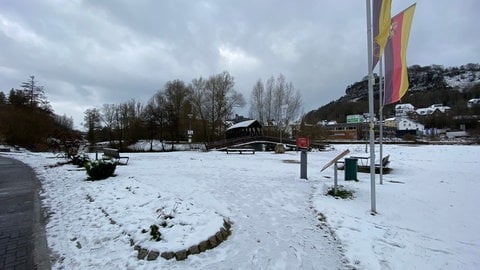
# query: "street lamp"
[[283, 115], [190, 131]]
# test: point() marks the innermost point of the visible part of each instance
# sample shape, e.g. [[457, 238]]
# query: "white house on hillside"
[[432, 109], [402, 110], [472, 102]]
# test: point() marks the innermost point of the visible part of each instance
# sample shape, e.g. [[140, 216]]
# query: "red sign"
[[302, 142]]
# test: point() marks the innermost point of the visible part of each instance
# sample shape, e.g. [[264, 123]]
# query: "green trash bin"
[[351, 168]]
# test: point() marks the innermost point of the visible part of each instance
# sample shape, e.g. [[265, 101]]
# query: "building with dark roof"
[[244, 128]]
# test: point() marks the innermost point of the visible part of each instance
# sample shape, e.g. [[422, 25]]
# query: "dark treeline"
[[27, 120]]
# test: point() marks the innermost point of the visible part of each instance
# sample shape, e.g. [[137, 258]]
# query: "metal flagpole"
[[380, 116], [370, 107]]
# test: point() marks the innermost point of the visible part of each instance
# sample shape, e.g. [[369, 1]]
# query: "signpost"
[[341, 155], [334, 161], [303, 144]]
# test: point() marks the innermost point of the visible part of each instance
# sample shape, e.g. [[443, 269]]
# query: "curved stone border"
[[212, 242], [150, 255]]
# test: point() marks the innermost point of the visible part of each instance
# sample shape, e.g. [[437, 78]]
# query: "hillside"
[[434, 84]]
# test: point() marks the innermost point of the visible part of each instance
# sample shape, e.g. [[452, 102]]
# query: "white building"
[[390, 122], [432, 109], [326, 123], [472, 102], [405, 124], [402, 110]]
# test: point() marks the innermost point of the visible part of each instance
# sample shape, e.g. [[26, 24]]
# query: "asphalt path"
[[23, 243]]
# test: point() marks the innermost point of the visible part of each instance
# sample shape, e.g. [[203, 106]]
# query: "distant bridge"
[[250, 140]]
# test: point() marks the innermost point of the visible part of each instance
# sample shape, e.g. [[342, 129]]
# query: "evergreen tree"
[[3, 99], [35, 94], [17, 98]]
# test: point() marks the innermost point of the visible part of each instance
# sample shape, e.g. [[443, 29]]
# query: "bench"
[[110, 153], [385, 161], [241, 150], [364, 165]]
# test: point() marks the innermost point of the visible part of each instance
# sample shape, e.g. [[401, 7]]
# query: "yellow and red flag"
[[381, 27], [396, 75]]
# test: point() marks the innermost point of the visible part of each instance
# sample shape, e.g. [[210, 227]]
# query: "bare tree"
[[108, 117], [177, 105], [64, 121], [92, 124], [213, 101], [154, 117], [257, 99], [219, 100], [294, 103], [198, 101], [277, 102], [270, 88], [127, 118]]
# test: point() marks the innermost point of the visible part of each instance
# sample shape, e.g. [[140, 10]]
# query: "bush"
[[341, 193], [80, 160], [409, 137], [100, 169], [155, 233]]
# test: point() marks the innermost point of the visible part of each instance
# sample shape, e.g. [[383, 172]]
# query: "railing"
[[223, 144]]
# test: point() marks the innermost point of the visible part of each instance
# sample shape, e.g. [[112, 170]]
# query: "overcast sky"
[[90, 52]]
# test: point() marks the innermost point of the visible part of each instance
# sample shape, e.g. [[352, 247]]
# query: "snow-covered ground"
[[427, 211]]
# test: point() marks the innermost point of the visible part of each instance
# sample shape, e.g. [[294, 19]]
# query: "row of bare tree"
[[204, 105]]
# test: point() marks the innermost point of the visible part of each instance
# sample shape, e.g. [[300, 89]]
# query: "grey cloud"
[[88, 52]]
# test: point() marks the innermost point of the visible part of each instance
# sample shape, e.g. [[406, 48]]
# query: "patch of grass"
[[155, 233], [342, 193]]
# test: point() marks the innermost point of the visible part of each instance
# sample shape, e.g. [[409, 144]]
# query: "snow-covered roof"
[[432, 109], [242, 124], [424, 111], [406, 120], [404, 106], [474, 101]]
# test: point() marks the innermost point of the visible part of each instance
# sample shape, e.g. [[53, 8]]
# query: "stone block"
[[204, 245], [227, 225], [181, 255], [167, 255], [194, 249], [224, 232], [142, 253], [213, 241], [219, 237], [152, 255]]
